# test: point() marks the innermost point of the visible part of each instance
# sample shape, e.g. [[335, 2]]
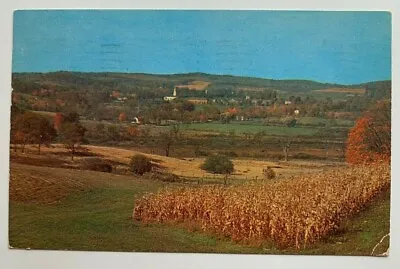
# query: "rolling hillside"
[[127, 81]]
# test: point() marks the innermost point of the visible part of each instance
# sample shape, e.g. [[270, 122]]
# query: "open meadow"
[[61, 208], [56, 203]]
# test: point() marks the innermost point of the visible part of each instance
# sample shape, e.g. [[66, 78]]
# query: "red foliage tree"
[[115, 94], [122, 117], [203, 117], [133, 131], [370, 139], [232, 111], [57, 121]]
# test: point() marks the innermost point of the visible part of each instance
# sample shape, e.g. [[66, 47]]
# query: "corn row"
[[292, 213]]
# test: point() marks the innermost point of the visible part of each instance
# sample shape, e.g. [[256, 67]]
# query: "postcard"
[[201, 131]]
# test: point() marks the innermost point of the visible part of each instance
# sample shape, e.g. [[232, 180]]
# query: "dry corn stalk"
[[292, 213]]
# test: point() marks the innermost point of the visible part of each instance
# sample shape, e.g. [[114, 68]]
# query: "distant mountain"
[[127, 81]]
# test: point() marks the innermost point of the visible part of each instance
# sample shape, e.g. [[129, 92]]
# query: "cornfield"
[[292, 213]]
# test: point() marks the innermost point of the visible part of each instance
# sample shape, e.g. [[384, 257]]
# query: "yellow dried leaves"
[[290, 212]]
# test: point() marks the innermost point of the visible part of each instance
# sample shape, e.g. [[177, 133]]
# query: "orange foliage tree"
[[122, 117], [370, 139], [57, 120], [133, 131]]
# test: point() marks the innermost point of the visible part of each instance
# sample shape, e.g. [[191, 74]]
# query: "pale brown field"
[[43, 186], [343, 90], [190, 167], [195, 85], [292, 212]]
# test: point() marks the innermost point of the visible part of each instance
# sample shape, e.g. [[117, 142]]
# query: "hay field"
[[343, 90], [195, 85], [190, 167]]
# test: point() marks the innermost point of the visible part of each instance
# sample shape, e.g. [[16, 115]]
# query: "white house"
[[135, 120], [170, 98]]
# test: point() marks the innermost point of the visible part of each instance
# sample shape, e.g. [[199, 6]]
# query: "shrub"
[[140, 164], [218, 164], [269, 173], [97, 164]]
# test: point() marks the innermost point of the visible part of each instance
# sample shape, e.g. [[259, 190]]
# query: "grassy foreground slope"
[[98, 216]]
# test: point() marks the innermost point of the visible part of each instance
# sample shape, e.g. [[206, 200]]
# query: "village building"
[[233, 101], [198, 101], [170, 98], [135, 120]]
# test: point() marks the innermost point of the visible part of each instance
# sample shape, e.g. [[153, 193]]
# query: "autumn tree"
[[32, 128], [71, 117], [57, 120], [170, 137], [16, 137], [188, 106], [122, 117], [286, 143], [370, 139], [218, 164], [140, 164], [113, 133], [133, 131], [72, 135]]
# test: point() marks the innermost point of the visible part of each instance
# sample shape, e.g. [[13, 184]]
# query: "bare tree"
[[286, 142], [72, 135], [170, 137]]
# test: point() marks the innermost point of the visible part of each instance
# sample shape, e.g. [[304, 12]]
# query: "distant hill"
[[128, 81]]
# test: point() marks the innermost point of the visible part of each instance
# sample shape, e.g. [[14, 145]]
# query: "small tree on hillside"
[[170, 137], [286, 143], [32, 128], [218, 164], [140, 164], [133, 131], [58, 120], [122, 117], [71, 117], [188, 106], [72, 135]]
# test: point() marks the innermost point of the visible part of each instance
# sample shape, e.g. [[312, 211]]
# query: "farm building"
[[198, 101], [170, 98]]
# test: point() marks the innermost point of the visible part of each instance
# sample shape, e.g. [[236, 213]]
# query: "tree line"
[[28, 127]]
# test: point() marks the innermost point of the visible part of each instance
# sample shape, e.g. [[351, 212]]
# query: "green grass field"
[[239, 128], [99, 218]]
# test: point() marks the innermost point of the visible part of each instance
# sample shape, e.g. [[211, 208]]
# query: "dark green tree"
[[218, 164]]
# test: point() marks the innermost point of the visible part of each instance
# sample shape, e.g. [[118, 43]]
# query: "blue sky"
[[339, 47]]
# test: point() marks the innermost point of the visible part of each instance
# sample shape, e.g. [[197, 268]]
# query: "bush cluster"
[[218, 164], [140, 164]]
